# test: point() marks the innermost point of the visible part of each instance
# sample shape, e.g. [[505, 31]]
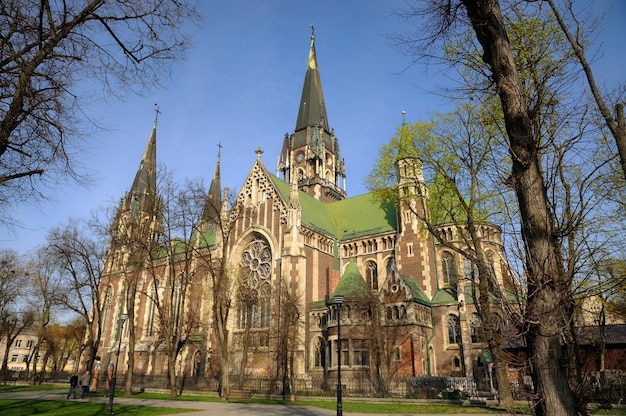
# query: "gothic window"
[[470, 271], [108, 298], [447, 268], [319, 360], [454, 329], [491, 262], [255, 289], [345, 349], [177, 302], [456, 364], [476, 329], [152, 308], [371, 275], [360, 352], [391, 264]]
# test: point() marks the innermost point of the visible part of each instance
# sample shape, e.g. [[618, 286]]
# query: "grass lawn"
[[23, 407], [20, 407]]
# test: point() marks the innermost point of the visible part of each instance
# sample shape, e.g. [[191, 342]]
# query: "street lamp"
[[123, 318], [338, 300]]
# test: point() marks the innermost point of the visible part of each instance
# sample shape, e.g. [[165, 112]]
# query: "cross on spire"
[[157, 111]]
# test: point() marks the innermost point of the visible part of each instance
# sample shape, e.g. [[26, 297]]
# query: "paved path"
[[198, 408]]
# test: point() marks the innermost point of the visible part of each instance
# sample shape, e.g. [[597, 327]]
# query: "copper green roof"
[[312, 107], [443, 296], [418, 293], [349, 218], [352, 285]]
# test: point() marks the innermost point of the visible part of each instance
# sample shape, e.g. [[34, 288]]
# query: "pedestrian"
[[84, 384], [73, 385]]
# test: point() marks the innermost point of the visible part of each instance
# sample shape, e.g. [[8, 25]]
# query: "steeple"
[[137, 216], [311, 153], [213, 204], [312, 110], [143, 189]]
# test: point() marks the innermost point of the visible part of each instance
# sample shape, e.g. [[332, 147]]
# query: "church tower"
[[311, 154], [136, 220]]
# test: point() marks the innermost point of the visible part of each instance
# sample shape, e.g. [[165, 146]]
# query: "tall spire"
[[143, 189], [311, 154], [312, 107], [213, 204]]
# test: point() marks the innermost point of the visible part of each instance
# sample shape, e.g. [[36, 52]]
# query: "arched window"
[[469, 269], [108, 298], [447, 268], [454, 329], [371, 275], [476, 329], [456, 364], [491, 261], [255, 289], [152, 308], [319, 360]]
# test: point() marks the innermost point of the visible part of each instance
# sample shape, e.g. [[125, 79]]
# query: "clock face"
[[300, 157]]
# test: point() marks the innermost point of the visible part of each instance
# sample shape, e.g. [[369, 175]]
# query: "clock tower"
[[310, 156]]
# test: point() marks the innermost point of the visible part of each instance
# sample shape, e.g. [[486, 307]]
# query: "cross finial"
[[157, 111], [219, 148], [258, 152], [312, 31]]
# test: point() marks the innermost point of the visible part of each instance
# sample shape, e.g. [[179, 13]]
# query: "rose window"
[[256, 258]]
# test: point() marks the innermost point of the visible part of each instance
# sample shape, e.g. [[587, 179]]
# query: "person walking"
[[84, 384], [73, 385]]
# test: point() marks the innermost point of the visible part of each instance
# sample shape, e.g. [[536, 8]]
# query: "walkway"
[[197, 408]]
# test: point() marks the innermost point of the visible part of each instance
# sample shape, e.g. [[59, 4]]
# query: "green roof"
[[447, 295], [349, 218], [352, 285], [418, 293]]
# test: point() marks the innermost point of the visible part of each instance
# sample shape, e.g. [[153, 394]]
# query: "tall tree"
[[78, 259], [456, 155], [13, 317], [550, 305], [49, 50], [45, 292], [174, 272]]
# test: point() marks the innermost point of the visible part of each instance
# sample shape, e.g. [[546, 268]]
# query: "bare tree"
[[550, 305], [45, 292], [49, 49], [14, 317], [614, 120], [174, 271], [78, 259], [289, 316], [452, 156]]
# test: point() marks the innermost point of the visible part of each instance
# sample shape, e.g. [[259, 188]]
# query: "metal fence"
[[607, 388]]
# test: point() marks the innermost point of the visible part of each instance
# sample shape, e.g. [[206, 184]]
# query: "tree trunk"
[[547, 320], [130, 310]]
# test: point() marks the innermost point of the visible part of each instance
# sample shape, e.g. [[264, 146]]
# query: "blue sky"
[[241, 86]]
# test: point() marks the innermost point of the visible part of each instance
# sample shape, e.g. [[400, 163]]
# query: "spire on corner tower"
[[213, 204], [143, 189]]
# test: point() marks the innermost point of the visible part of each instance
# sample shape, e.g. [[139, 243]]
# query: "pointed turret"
[[213, 204], [143, 189], [311, 152], [312, 110], [137, 218]]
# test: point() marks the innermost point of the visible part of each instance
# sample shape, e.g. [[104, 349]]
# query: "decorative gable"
[[258, 188]]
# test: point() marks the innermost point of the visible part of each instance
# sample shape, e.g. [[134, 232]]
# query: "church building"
[[318, 277]]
